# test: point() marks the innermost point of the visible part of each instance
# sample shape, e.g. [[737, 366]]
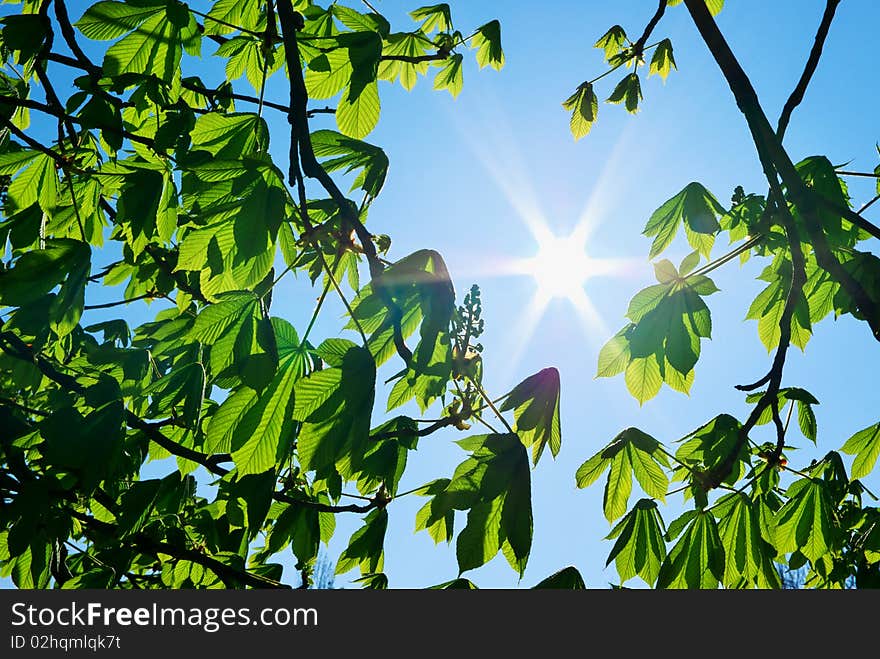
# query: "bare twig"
[[809, 69], [107, 305], [867, 205], [639, 45]]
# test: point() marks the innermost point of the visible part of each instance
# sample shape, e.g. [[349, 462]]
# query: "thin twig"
[[850, 215], [868, 205], [841, 172], [639, 45], [107, 305], [797, 95], [491, 405]]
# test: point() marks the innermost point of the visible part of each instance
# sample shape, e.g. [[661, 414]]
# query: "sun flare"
[[561, 267]]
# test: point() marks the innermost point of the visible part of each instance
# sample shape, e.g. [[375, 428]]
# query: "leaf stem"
[[721, 260], [315, 313], [412, 491], [491, 405]]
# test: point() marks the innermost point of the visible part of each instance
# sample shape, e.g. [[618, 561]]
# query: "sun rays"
[[560, 265]]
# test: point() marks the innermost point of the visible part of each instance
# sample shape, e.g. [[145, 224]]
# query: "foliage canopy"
[[267, 432]]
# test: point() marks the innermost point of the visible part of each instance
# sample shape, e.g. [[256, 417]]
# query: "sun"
[[561, 267]]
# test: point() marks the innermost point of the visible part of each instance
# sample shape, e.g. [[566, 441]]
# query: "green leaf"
[[67, 307], [37, 183], [434, 516], [710, 445], [421, 287], [408, 45], [433, 17], [535, 402], [315, 390], [697, 559], [185, 383], [662, 62], [328, 74], [263, 435], [349, 155], [806, 522], [359, 22], [30, 570], [631, 451], [219, 257], [334, 406], [299, 526], [639, 549], [648, 472], [643, 378], [865, 445], [243, 13], [494, 484], [695, 206], [612, 41], [479, 541], [568, 578], [230, 136], [744, 550], [688, 263], [646, 300], [357, 115], [584, 107], [215, 319], [89, 446], [366, 546], [590, 471], [629, 92], [25, 34], [109, 20], [804, 400], [807, 421], [12, 161], [155, 46], [245, 57], [615, 354], [450, 76], [769, 307], [487, 41], [221, 427], [665, 271]]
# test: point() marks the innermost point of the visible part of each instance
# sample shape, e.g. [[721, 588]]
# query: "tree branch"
[[775, 159], [414, 59], [850, 215], [107, 305], [32, 143], [60, 114], [639, 45], [422, 432], [70, 39], [145, 544], [301, 146], [14, 346], [868, 204], [797, 95], [841, 172]]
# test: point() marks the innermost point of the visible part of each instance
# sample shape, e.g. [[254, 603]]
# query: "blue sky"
[[464, 172]]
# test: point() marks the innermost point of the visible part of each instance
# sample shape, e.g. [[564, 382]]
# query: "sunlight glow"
[[561, 267]]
